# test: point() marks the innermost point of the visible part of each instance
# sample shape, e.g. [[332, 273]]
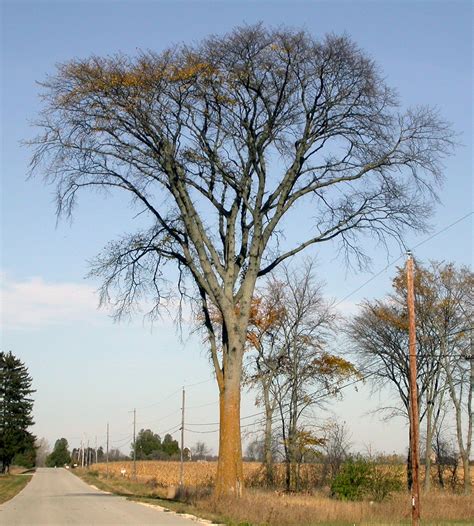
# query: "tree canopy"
[[215, 144], [150, 446], [60, 455]]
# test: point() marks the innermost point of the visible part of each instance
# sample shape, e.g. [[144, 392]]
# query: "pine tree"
[[60, 455], [15, 409]]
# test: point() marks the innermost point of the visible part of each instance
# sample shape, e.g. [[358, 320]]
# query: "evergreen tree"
[[15, 409], [60, 455], [148, 445], [170, 446]]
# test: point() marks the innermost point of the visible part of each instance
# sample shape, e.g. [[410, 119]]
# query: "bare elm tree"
[[215, 144]]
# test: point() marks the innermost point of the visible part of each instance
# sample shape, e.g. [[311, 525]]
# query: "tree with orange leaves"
[[262, 366], [291, 332]]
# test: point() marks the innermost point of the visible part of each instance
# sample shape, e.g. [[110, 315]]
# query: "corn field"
[[166, 473]]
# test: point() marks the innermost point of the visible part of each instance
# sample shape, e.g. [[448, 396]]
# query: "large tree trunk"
[[229, 479]]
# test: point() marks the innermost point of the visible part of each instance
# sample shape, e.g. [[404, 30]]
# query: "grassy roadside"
[[144, 493], [260, 508], [12, 484]]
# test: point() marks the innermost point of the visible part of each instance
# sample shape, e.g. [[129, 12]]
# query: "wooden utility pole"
[[107, 452], [414, 416], [134, 444], [181, 467]]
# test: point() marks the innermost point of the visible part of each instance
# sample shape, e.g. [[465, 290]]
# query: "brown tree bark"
[[229, 468]]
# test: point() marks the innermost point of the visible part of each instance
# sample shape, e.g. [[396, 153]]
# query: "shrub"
[[385, 482], [352, 481], [361, 478], [25, 460], [152, 483]]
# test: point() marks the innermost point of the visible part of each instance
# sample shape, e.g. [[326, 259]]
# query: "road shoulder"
[[174, 507]]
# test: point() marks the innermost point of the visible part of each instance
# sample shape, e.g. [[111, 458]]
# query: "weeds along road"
[[56, 497]]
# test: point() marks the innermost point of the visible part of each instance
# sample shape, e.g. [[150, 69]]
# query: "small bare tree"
[[336, 449], [297, 364], [453, 319], [446, 458], [43, 449], [200, 451], [215, 144]]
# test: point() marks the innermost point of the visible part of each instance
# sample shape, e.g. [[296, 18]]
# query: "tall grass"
[[264, 508]]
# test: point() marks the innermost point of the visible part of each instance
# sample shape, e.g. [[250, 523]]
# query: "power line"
[[203, 432], [172, 430], [335, 386], [443, 230], [160, 401], [203, 405], [200, 383], [374, 276], [203, 424], [167, 397], [328, 393], [159, 419], [122, 442]]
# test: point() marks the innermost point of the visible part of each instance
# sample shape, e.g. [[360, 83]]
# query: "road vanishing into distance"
[[58, 498]]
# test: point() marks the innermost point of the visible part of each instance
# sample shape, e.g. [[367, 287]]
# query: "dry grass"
[[11, 484], [263, 508], [259, 507]]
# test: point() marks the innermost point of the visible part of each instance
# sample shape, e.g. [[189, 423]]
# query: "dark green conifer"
[[16, 406]]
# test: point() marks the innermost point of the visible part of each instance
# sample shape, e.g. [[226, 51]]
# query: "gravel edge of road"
[[158, 507], [194, 518]]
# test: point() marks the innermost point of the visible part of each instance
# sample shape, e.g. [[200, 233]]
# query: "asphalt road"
[[57, 497]]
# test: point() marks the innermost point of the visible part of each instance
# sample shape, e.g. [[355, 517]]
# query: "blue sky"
[[88, 370]]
